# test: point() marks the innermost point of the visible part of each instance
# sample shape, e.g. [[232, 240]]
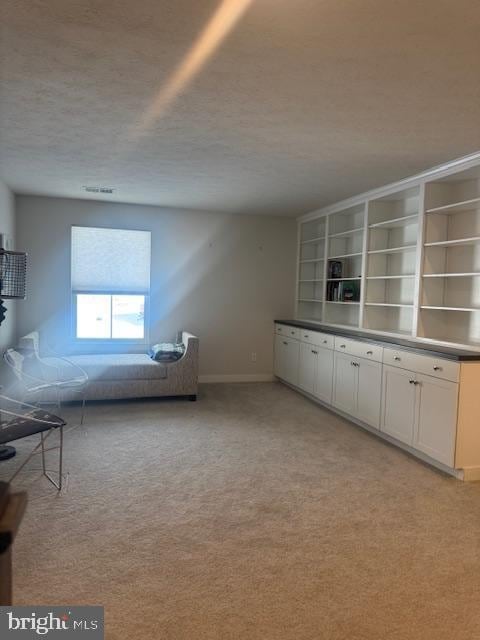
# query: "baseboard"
[[471, 474], [236, 377]]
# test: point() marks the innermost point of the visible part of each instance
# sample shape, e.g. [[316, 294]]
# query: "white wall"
[[223, 277], [7, 227]]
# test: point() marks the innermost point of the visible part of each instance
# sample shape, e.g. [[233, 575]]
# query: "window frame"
[[111, 340]]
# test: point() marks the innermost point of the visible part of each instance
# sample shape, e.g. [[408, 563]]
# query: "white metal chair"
[[45, 381]]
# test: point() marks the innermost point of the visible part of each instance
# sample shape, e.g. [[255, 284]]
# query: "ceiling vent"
[[99, 189]]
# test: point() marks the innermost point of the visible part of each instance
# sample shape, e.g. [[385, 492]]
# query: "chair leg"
[[60, 461], [83, 410], [58, 484], [43, 453]]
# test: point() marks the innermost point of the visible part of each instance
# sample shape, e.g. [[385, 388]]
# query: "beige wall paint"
[[7, 226], [223, 277]]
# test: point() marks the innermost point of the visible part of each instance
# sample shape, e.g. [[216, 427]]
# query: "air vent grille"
[[99, 189]]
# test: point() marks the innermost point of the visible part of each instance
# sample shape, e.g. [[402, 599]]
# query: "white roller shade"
[[110, 260]]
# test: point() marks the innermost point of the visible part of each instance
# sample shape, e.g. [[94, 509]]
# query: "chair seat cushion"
[[120, 366]]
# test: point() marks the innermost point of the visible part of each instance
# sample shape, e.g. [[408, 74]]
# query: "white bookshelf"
[[311, 268], [393, 224], [344, 266], [450, 292], [410, 254]]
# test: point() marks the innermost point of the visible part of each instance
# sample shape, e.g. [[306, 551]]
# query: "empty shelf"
[[452, 275], [388, 304], [395, 222], [408, 247], [463, 205], [441, 308], [342, 234], [313, 240], [453, 243], [405, 275], [345, 255], [309, 300]]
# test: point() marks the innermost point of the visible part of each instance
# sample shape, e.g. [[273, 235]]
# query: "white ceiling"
[[306, 102]]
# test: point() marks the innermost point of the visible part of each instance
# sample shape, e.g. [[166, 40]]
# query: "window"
[[110, 283]]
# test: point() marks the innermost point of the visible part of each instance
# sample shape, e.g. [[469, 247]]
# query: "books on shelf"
[[343, 291]]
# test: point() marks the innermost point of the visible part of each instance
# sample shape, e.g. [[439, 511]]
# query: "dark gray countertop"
[[450, 353]]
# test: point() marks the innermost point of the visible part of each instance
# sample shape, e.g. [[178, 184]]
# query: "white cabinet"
[[421, 411], [345, 383], [286, 359], [357, 387], [437, 418], [324, 375], [399, 403], [307, 367], [315, 371], [425, 401], [369, 394]]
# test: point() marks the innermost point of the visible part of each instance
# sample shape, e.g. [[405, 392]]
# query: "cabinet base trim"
[[468, 475]]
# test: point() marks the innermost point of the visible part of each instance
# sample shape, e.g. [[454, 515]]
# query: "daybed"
[[128, 375]]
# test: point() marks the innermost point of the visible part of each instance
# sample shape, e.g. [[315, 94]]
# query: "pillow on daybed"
[[167, 352]]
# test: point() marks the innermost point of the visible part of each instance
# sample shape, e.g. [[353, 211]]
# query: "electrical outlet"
[[254, 356]]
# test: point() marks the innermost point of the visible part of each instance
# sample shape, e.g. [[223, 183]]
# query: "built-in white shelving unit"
[[401, 260], [311, 270], [393, 222], [450, 296]]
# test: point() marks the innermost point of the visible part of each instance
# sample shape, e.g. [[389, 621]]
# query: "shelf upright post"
[[419, 262], [363, 280]]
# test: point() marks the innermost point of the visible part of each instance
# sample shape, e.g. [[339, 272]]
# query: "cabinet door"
[[307, 367], [436, 427], [369, 395], [324, 375], [399, 403], [280, 356], [291, 361], [345, 383]]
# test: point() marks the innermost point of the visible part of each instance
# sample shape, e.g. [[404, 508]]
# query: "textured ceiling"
[[305, 102]]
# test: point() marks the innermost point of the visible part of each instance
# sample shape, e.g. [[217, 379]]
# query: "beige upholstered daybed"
[[130, 375]]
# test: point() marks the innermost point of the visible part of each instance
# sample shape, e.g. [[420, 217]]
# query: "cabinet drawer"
[[436, 367], [322, 339], [344, 345], [359, 349], [285, 330]]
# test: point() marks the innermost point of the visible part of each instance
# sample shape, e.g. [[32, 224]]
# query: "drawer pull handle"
[[354, 364], [397, 358], [342, 346], [369, 353], [306, 336], [325, 342], [436, 368], [411, 381], [285, 343], [292, 332], [315, 352]]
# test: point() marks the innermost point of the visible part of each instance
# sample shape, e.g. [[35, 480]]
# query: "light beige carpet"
[[251, 515]]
